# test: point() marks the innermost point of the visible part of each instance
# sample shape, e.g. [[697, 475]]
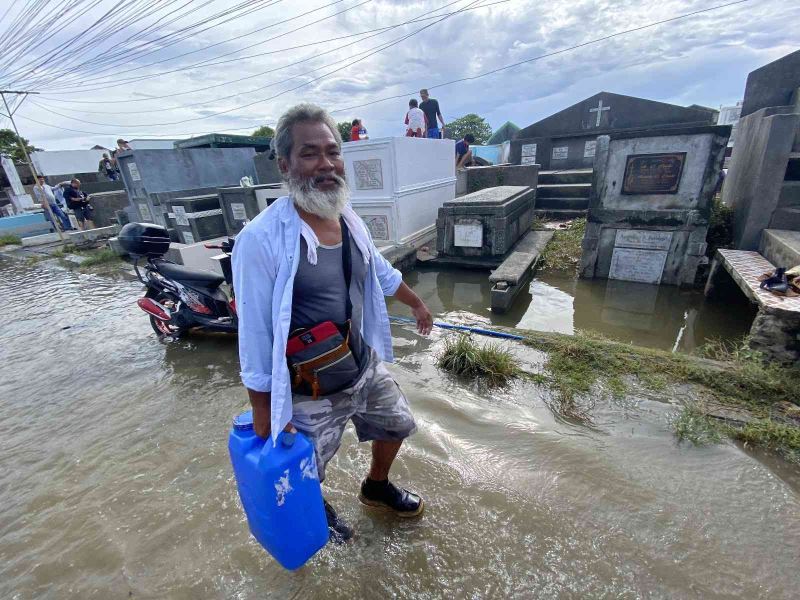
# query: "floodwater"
[[115, 480], [663, 317]]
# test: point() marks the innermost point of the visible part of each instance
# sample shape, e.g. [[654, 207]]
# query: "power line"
[[451, 82], [226, 83], [381, 30]]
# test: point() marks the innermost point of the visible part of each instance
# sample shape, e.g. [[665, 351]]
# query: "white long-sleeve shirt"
[[265, 260]]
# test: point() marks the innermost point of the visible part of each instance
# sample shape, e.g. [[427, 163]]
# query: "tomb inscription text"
[[653, 173]]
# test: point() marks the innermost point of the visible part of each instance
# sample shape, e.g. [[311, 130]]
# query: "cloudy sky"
[[163, 75]]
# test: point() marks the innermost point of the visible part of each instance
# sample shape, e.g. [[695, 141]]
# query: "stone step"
[[780, 247], [556, 177], [563, 203], [551, 214], [787, 218], [568, 190], [790, 195]]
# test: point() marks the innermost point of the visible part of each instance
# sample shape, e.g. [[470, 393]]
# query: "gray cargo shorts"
[[375, 403]]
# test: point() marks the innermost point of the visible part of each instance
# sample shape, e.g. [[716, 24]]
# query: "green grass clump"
[[563, 251], [539, 224], [100, 257], [694, 426], [490, 363], [584, 364], [8, 240]]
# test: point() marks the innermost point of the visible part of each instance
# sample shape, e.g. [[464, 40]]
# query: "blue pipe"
[[478, 330]]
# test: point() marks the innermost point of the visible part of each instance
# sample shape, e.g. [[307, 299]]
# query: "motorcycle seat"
[[181, 273]]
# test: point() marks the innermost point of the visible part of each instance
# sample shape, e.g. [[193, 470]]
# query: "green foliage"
[[563, 251], [473, 124], [264, 131], [100, 257], [694, 426], [490, 363], [9, 145], [9, 240], [720, 228], [344, 128]]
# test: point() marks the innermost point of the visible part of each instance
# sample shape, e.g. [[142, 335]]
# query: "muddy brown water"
[[115, 480]]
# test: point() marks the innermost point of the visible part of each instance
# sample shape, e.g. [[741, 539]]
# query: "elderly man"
[[310, 289], [78, 202]]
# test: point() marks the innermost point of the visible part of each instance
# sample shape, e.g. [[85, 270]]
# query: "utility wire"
[[381, 31], [370, 52], [439, 85], [229, 82]]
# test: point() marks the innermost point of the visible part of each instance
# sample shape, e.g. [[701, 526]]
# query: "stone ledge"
[[745, 267]]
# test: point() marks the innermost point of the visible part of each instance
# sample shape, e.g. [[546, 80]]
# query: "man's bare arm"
[[421, 313]]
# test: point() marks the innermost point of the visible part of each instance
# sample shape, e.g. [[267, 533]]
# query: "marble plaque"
[[469, 235], [369, 174], [134, 171], [643, 239], [12, 176], [635, 264], [653, 173], [528, 154], [589, 149], [560, 152], [144, 210], [188, 238], [180, 215], [238, 211], [378, 226]]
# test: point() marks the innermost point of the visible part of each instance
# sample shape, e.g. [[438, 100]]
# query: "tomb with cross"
[[568, 138]]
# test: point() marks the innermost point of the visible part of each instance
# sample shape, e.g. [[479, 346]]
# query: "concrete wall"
[[755, 178], [172, 170], [266, 168], [478, 178], [106, 204], [772, 85]]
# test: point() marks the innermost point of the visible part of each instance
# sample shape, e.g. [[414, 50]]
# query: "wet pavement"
[[115, 480]]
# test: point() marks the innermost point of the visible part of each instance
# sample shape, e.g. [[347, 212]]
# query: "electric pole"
[[22, 147]]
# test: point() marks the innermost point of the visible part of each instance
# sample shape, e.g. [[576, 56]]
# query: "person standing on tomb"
[[309, 278], [78, 203], [122, 145], [463, 153], [415, 120], [430, 107], [357, 131]]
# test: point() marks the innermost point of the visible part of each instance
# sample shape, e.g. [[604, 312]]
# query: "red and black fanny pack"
[[320, 359]]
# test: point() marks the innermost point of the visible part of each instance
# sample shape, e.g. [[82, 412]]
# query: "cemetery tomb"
[[473, 179], [196, 218], [650, 204], [482, 227], [398, 184], [242, 204], [567, 139]]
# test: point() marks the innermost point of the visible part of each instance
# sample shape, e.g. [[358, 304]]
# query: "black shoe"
[[386, 495], [777, 282], [340, 531]]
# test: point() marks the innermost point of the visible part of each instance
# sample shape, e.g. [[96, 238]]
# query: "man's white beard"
[[328, 205]]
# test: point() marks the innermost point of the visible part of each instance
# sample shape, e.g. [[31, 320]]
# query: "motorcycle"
[[180, 298]]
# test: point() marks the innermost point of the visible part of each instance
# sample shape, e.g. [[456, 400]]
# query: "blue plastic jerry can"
[[280, 491]]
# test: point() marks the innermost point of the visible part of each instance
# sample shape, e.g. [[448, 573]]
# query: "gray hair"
[[282, 140]]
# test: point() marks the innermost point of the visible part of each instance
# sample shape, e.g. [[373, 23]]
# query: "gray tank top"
[[318, 293]]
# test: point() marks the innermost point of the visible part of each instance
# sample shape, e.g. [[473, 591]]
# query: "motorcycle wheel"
[[164, 330]]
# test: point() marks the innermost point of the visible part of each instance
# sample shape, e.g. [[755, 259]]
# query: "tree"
[[344, 130], [9, 145], [470, 123], [264, 131]]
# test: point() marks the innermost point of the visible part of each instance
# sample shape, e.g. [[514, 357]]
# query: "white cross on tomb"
[[599, 110]]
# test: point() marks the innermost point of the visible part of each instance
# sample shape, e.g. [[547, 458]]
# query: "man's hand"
[[421, 313], [262, 414], [423, 317]]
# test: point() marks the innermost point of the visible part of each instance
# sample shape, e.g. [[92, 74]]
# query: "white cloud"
[[703, 59]]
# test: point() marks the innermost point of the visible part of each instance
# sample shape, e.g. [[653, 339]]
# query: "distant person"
[[463, 153], [357, 131], [415, 120], [432, 112], [106, 167], [78, 203], [45, 193], [122, 145]]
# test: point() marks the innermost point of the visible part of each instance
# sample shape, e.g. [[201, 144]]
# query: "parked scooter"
[[180, 298]]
